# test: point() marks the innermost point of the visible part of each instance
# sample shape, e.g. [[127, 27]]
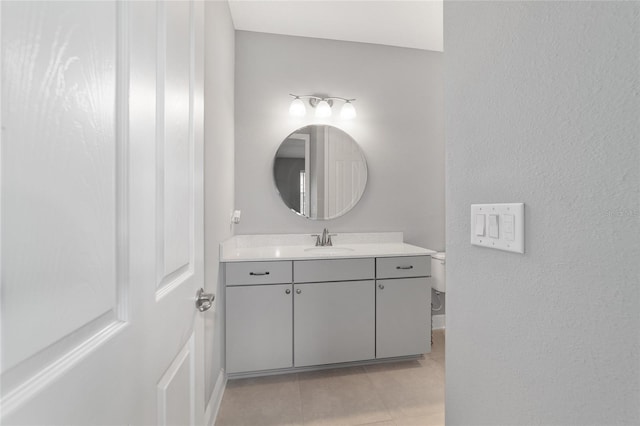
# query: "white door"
[[101, 212], [345, 173]]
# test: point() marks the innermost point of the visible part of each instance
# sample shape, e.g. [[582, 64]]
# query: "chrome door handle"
[[204, 301]]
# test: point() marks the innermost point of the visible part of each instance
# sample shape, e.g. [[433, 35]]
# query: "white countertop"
[[243, 248]]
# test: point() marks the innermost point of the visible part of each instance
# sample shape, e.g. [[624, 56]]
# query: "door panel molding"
[[175, 159], [171, 398], [35, 370], [47, 375]]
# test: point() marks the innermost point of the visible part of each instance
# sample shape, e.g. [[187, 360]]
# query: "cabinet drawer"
[[305, 271], [252, 273], [403, 267]]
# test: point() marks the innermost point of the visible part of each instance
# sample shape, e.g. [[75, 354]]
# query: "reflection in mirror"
[[320, 172]]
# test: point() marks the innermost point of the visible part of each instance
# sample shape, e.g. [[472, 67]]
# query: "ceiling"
[[415, 24]]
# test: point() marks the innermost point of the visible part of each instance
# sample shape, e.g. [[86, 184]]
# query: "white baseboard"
[[213, 405], [437, 322]]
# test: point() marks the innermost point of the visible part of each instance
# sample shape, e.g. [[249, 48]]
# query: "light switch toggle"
[[480, 225], [508, 226], [493, 226]]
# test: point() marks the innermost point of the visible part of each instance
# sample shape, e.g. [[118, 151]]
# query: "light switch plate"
[[510, 226]]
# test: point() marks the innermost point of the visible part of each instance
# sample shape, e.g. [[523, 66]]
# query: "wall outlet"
[[235, 217]]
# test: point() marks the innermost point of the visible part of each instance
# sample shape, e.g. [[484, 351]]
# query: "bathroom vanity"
[[291, 305]]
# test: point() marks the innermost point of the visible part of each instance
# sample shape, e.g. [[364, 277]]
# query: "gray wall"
[[543, 108], [399, 127], [218, 172]]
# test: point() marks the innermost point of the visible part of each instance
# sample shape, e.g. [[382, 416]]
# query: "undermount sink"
[[329, 249]]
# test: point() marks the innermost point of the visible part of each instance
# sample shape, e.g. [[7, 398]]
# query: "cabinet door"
[[403, 317], [334, 322], [259, 327]]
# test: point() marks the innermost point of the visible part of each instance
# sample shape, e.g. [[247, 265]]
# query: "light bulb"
[[348, 111], [297, 108], [323, 109]]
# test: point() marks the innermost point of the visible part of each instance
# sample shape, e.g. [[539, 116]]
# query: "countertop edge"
[[407, 250]]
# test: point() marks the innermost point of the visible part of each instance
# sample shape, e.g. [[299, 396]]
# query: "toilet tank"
[[438, 282]]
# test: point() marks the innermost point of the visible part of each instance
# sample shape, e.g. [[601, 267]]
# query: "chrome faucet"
[[325, 240]]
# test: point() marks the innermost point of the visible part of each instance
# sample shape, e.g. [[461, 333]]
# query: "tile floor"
[[404, 393]]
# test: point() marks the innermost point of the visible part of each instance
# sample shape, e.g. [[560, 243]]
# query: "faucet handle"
[[329, 243], [317, 239]]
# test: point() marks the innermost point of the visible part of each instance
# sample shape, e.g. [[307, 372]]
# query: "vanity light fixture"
[[348, 111], [322, 105], [297, 108], [323, 109]]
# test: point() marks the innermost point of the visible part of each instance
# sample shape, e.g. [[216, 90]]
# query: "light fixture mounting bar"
[[339, 98]]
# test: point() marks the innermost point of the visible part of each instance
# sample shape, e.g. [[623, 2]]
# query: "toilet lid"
[[440, 255]]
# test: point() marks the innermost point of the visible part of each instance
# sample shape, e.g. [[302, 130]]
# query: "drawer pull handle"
[[258, 273], [404, 267]]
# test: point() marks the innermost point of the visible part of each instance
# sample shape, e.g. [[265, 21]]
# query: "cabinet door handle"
[[287, 291], [404, 267], [298, 291], [259, 273], [381, 286]]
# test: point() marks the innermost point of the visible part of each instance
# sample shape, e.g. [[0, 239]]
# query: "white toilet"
[[438, 282]]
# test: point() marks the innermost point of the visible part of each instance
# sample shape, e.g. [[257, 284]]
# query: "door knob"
[[204, 301]]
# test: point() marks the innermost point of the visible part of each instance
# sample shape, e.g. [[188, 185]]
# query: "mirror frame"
[[279, 193]]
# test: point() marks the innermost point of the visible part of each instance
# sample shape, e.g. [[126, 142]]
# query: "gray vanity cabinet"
[[302, 313], [403, 306], [259, 316]]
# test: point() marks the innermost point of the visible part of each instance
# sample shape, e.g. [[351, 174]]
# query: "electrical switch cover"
[[498, 226]]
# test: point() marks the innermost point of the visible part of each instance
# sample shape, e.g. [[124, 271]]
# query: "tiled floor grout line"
[[300, 405]]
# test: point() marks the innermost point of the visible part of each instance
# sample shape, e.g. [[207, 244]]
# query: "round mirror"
[[320, 172]]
